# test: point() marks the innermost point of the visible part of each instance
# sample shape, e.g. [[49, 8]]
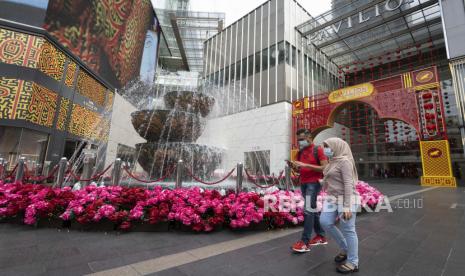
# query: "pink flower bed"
[[199, 210]]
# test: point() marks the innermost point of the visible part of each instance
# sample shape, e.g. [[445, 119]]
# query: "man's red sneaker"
[[317, 240], [300, 247]]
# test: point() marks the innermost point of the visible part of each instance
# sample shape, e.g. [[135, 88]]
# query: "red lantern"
[[428, 106]]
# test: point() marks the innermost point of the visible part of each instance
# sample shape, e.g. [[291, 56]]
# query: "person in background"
[[340, 178], [310, 162]]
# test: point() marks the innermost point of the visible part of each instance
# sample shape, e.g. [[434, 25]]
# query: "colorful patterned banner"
[[42, 106], [70, 73], [52, 61], [25, 100], [19, 48], [90, 88], [64, 106], [88, 124], [8, 92]]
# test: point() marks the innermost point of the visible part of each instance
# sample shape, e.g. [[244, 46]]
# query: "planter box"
[[187, 228], [49, 223], [101, 226], [163, 226], [13, 220]]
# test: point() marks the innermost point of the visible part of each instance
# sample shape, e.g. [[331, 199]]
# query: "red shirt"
[[307, 175]]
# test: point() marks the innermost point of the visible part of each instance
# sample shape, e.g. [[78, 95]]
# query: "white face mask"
[[328, 152], [303, 144]]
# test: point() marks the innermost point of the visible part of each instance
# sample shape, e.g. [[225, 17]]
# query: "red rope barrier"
[[42, 178], [189, 173], [97, 176], [168, 174], [254, 181], [12, 172], [26, 176]]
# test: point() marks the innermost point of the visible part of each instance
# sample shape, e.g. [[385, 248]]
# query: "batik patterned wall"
[[90, 88], [42, 106], [26, 100], [70, 73], [64, 106], [87, 123], [8, 92], [19, 48], [52, 61], [107, 35], [23, 100]]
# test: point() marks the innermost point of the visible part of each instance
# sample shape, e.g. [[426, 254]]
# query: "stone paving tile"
[[426, 241]]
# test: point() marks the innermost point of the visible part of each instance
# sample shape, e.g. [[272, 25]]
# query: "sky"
[[235, 9]]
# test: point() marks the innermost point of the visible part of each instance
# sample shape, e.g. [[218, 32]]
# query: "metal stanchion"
[[179, 171], [116, 175], [20, 170], [239, 169], [2, 169], [88, 167], [62, 165], [287, 176], [46, 169]]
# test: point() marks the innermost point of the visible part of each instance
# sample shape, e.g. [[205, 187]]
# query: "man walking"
[[311, 161]]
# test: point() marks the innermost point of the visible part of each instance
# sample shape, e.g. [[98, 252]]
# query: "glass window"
[[9, 144], [257, 62], [273, 56], [34, 145], [17, 142], [294, 63], [244, 68], [215, 78], [221, 82], [305, 65], [226, 72], [288, 53], [250, 73], [238, 71], [233, 76], [281, 52], [264, 59]]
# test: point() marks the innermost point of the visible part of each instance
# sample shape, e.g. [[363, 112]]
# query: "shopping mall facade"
[[286, 62], [63, 65]]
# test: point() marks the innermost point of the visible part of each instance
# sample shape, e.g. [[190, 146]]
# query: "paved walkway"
[[409, 241]]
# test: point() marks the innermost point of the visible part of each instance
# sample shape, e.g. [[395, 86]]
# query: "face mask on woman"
[[328, 152], [303, 144]]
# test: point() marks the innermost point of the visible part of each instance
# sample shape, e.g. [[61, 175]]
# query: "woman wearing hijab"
[[340, 177]]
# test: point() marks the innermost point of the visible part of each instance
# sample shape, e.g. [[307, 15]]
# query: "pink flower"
[[106, 210], [136, 213], [65, 216]]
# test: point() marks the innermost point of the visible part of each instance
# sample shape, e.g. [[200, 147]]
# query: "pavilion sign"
[[351, 93], [359, 20]]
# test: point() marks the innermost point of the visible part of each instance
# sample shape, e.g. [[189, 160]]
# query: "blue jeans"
[[310, 192], [346, 236]]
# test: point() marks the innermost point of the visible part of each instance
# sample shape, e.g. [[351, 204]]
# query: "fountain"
[[171, 132]]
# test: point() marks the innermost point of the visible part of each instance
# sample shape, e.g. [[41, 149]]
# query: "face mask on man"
[[303, 144], [328, 152]]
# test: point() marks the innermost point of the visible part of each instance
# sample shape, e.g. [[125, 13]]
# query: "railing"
[[63, 172]]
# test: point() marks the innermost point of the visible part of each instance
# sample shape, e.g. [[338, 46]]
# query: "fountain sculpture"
[[171, 133]]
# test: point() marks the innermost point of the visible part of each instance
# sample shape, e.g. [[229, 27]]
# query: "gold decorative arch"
[[412, 97]]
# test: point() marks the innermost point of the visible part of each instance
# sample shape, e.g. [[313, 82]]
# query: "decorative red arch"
[[412, 97]]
